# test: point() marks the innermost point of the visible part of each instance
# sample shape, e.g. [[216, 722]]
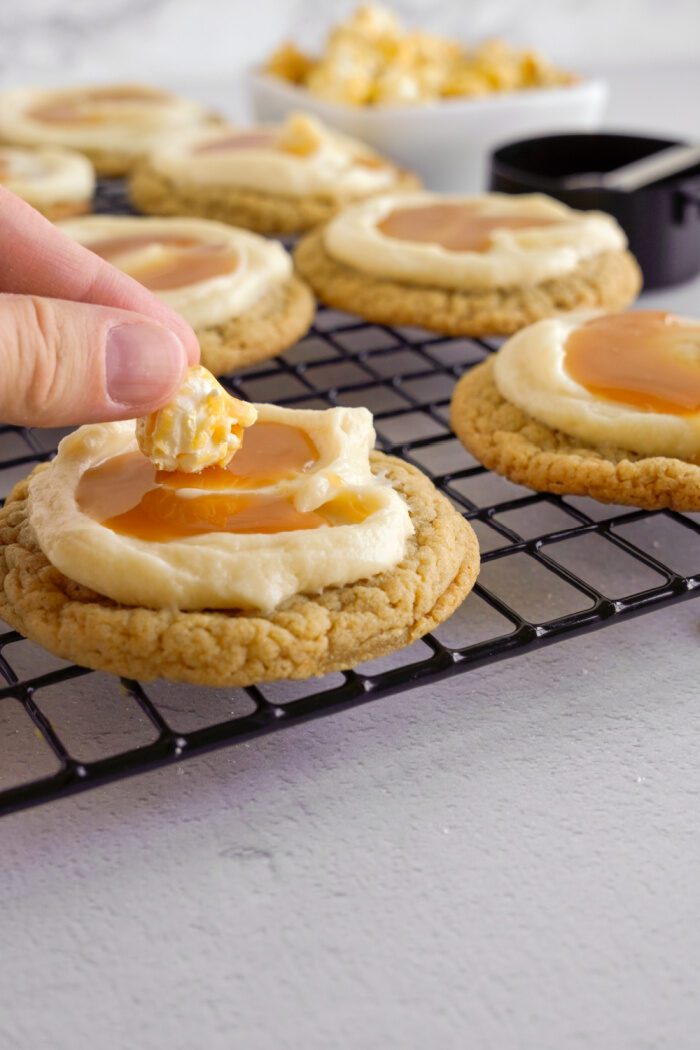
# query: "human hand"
[[80, 341]]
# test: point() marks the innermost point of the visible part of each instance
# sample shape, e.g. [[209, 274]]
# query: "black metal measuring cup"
[[661, 220]]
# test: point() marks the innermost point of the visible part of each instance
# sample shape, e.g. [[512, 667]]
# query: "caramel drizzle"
[[188, 260], [455, 227], [75, 107], [128, 496], [647, 359], [244, 140]]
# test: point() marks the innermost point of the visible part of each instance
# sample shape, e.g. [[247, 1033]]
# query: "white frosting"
[[225, 570], [262, 264], [47, 176], [516, 258], [529, 371], [127, 126], [330, 169]]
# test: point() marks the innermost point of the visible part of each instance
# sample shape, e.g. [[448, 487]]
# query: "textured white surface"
[[506, 861], [51, 40]]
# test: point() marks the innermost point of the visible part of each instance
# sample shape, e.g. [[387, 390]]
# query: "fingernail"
[[144, 362]]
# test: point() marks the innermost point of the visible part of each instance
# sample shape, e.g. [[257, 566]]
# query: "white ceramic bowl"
[[447, 143]]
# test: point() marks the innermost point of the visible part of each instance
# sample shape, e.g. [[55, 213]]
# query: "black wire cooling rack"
[[552, 567]]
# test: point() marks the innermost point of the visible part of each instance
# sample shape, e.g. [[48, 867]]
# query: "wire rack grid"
[[552, 567]]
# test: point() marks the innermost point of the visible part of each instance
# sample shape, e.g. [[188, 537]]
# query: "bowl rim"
[[593, 86]]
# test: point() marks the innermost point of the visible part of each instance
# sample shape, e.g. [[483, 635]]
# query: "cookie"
[[273, 324], [154, 193], [238, 290], [59, 183], [110, 163], [308, 635], [514, 444], [116, 164], [609, 280], [64, 210], [111, 124]]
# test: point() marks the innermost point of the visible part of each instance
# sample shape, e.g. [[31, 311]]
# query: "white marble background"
[[202, 42]]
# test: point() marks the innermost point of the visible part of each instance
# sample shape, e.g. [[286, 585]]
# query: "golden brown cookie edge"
[[155, 194], [274, 324], [64, 209], [511, 443]]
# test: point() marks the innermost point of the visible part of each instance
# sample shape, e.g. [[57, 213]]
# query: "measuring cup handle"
[[687, 199]]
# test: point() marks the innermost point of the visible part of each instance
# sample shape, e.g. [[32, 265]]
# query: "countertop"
[[506, 860]]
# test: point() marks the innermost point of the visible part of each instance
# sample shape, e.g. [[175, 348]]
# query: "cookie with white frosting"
[[274, 179], [237, 289], [57, 182], [474, 266], [308, 553], [606, 406], [114, 125]]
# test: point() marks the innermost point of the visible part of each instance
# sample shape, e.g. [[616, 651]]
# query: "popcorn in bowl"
[[371, 60]]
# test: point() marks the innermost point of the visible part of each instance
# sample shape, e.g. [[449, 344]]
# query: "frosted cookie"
[[603, 406], [276, 180], [113, 125], [57, 182], [474, 266], [308, 553], [236, 289]]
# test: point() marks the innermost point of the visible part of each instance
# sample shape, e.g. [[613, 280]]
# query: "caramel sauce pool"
[[75, 107], [457, 227], [186, 261], [270, 453], [127, 494], [262, 138], [647, 359]]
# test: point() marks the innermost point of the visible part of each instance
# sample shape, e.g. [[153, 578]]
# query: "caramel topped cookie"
[[273, 179], [306, 553], [236, 289], [113, 125], [57, 182], [485, 265], [604, 406]]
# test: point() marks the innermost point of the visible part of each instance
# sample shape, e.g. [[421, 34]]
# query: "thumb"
[[65, 363]]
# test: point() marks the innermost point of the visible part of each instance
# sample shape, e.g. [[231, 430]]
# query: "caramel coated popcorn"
[[371, 60], [201, 427]]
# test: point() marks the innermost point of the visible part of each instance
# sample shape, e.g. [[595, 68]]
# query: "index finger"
[[39, 259]]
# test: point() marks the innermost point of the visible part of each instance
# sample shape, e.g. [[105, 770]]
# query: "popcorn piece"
[[300, 134], [374, 21], [338, 83], [538, 72], [289, 63], [348, 49], [424, 48], [400, 85], [202, 427], [500, 65], [373, 49], [464, 80]]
